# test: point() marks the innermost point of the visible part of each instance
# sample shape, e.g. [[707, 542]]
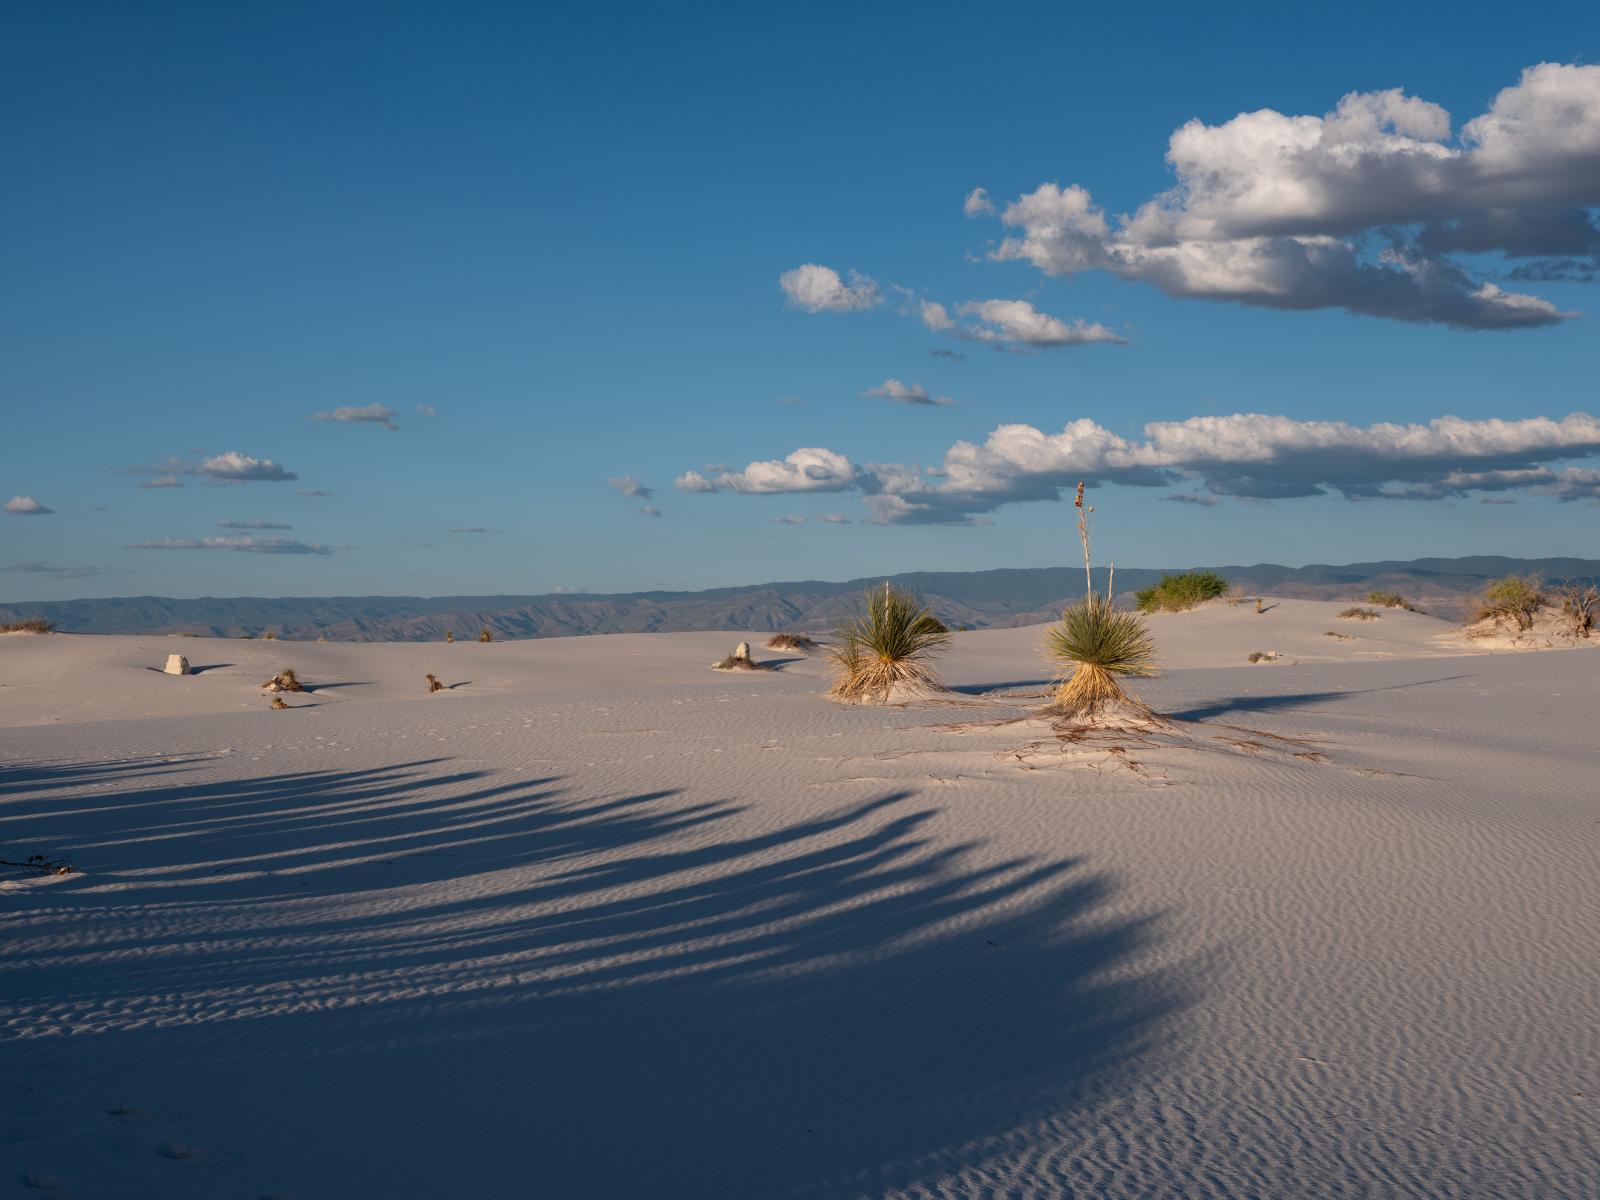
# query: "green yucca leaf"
[[1095, 633]]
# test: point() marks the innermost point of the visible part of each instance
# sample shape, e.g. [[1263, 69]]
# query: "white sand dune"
[[600, 922]]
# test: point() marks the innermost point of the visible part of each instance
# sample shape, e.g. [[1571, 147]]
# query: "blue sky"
[[551, 245]]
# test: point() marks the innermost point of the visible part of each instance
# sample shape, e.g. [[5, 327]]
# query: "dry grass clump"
[[791, 641], [1102, 644], [279, 702], [882, 653], [284, 681], [1390, 600], [1343, 637], [28, 625], [1516, 599], [1580, 605], [484, 635], [450, 636], [1178, 593], [41, 864], [434, 685], [1357, 613], [1261, 656]]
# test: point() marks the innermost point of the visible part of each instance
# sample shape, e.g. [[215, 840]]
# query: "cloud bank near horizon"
[[1244, 455]]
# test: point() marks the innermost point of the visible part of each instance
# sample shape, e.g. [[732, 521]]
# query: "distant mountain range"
[[976, 598]]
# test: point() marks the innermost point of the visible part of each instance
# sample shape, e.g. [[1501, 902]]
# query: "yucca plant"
[[882, 653], [1101, 644]]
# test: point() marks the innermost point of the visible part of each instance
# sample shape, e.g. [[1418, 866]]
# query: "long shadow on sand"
[[1270, 703], [472, 985]]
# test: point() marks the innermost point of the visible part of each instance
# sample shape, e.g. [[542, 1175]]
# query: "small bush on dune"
[[28, 625], [284, 681], [434, 685], [740, 660], [1343, 637], [1516, 598], [1176, 593], [883, 652], [1357, 613], [791, 641], [1102, 645], [484, 635], [1390, 600], [1261, 656], [279, 702], [1580, 605]]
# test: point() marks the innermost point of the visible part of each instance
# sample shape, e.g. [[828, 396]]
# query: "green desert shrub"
[[883, 652], [1390, 600], [1357, 613], [1516, 598], [1175, 593]]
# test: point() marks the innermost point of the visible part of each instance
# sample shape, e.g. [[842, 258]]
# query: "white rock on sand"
[[609, 924], [177, 664]]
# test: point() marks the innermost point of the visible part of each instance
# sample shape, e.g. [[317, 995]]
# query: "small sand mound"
[[1552, 630]]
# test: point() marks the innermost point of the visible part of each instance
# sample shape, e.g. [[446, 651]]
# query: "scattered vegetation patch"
[[279, 702], [791, 641], [1261, 656], [883, 653], [484, 635], [28, 625], [1103, 644], [284, 681], [450, 635], [1357, 613], [1514, 599], [1177, 593], [434, 685], [1343, 637], [1580, 606], [1390, 600]]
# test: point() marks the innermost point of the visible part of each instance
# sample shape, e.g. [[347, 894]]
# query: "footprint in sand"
[[131, 1116], [45, 1181], [182, 1152]]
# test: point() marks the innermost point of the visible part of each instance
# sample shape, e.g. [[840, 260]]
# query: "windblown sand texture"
[[598, 922]]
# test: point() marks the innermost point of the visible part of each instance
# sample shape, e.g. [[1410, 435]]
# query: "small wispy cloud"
[[788, 519], [372, 414], [246, 544], [164, 481], [26, 506], [941, 352], [252, 525], [1200, 498], [631, 487], [232, 467], [650, 510], [312, 492], [476, 529], [427, 410], [906, 393], [834, 519], [977, 203], [55, 572]]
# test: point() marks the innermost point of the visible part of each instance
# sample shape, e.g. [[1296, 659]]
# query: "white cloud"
[[375, 414], [1249, 455], [936, 317], [245, 544], [427, 410], [1356, 209], [629, 486], [312, 492], [234, 466], [1016, 324], [252, 525], [788, 519], [164, 481], [815, 288], [902, 393], [26, 506], [834, 519], [693, 481], [977, 203], [649, 510]]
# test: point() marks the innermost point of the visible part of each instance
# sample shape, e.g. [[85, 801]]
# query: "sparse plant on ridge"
[[1515, 598], [284, 681], [1385, 599], [28, 625], [450, 636], [882, 653], [484, 635], [791, 641], [434, 685], [1102, 645], [1357, 613], [1177, 593], [1580, 605]]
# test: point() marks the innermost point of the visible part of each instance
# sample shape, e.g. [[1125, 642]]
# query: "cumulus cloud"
[[1359, 208], [231, 467], [977, 203], [373, 414], [815, 288], [245, 544], [55, 572], [629, 486], [693, 481], [26, 506], [1017, 325], [788, 519], [163, 481], [902, 393], [1247, 455], [649, 510], [252, 525]]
